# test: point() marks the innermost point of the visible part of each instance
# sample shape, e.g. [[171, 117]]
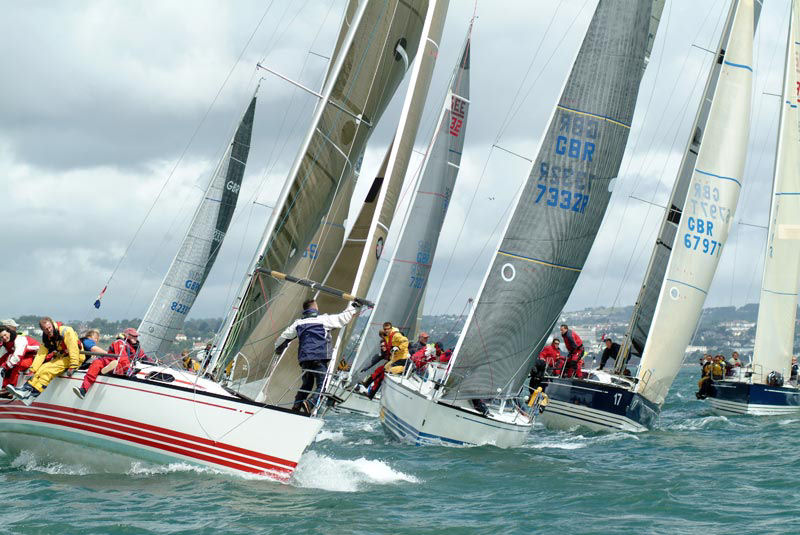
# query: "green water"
[[695, 473]]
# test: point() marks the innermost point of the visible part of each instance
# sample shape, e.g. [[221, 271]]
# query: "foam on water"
[[28, 462], [322, 472], [692, 424], [575, 442], [333, 436], [146, 469]]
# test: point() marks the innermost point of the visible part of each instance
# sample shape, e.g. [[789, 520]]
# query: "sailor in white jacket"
[[315, 348]]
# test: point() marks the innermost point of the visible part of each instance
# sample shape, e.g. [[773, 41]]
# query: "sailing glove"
[[69, 372]]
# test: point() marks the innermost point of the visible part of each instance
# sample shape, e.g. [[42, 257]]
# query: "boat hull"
[[596, 406], [734, 397], [161, 423], [413, 417], [357, 403]]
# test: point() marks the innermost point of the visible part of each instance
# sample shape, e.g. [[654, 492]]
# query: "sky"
[[115, 114]]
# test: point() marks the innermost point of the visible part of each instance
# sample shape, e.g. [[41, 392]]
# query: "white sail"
[[355, 273], [402, 289], [778, 304], [707, 214], [187, 274]]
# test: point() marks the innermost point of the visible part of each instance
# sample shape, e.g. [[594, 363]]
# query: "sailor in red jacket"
[[126, 352], [551, 353], [17, 352], [574, 351]]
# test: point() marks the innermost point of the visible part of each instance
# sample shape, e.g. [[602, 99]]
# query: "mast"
[[190, 268], [705, 217], [558, 211], [400, 296], [642, 315], [369, 64], [777, 308]]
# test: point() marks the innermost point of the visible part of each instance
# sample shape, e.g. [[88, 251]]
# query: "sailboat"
[[685, 255], [401, 293], [544, 245], [190, 268], [164, 415], [765, 388]]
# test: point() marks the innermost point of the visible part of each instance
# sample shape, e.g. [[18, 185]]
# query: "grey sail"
[[644, 308], [403, 287], [190, 268], [559, 210], [377, 44]]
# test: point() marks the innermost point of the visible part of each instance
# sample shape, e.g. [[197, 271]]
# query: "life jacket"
[[56, 342], [550, 354], [124, 349]]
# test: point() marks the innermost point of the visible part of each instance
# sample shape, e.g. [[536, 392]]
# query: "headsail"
[[645, 305], [559, 210], [187, 274], [401, 292], [777, 308], [704, 218], [382, 37]]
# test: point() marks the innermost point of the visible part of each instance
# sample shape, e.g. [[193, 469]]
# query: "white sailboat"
[[545, 243], [685, 256], [165, 415], [761, 389]]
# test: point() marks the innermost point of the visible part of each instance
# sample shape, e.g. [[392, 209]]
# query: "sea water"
[[696, 472]]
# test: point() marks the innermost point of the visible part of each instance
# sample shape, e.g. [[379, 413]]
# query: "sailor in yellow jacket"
[[398, 347], [62, 342]]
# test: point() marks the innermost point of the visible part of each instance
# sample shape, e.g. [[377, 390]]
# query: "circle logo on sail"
[[508, 272], [379, 248], [674, 293]]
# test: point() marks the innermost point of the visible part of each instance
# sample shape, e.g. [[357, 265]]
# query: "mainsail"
[[559, 210], [645, 305], [400, 296], [187, 274], [706, 214], [381, 38], [777, 308]]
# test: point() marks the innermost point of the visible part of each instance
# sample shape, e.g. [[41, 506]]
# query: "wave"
[[575, 442], [693, 424], [28, 462], [341, 475]]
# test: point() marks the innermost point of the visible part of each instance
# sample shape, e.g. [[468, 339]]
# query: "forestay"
[[401, 292], [778, 305], [706, 214], [190, 268], [645, 305], [381, 39], [559, 209]]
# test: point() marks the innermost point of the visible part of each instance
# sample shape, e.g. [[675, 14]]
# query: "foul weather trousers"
[[51, 369], [101, 362], [313, 372], [12, 375]]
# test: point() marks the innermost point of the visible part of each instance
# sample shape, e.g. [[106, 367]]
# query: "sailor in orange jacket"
[[62, 342], [398, 348]]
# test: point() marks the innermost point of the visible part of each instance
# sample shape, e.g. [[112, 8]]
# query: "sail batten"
[[186, 276], [560, 207]]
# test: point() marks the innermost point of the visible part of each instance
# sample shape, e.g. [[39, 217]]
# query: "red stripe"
[[105, 425], [164, 431], [144, 442]]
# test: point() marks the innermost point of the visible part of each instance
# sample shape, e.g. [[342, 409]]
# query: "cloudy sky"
[[115, 113]]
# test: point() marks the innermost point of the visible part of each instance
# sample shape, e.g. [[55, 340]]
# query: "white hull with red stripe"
[[189, 419]]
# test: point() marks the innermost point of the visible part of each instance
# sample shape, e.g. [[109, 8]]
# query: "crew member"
[[398, 348], [315, 348], [574, 351], [126, 352], [610, 352], [793, 374], [421, 343], [551, 354], [89, 341], [372, 383], [63, 344], [17, 352]]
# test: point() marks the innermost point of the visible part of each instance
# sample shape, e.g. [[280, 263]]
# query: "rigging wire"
[[185, 150]]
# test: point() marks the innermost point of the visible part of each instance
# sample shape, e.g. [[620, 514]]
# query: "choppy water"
[[696, 473]]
